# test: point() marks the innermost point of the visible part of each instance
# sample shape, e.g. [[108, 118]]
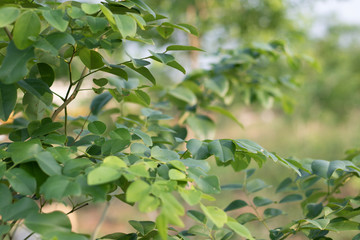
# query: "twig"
[[82, 128], [8, 33], [98, 226], [70, 99]]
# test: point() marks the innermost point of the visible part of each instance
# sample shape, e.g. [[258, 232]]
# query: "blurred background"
[[322, 119]]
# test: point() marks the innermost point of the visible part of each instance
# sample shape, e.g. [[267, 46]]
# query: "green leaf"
[[176, 65], [8, 96], [223, 150], [8, 15], [4, 229], [97, 127], [100, 82], [215, 214], [284, 185], [13, 67], [198, 149], [146, 138], [175, 174], [162, 57], [138, 63], [272, 212], [126, 25], [102, 174], [99, 102], [90, 8], [144, 7], [197, 216], [137, 191], [143, 227], [53, 42], [58, 186], [164, 154], [6, 196], [191, 196], [21, 181], [291, 198], [182, 48], [261, 201], [22, 33], [202, 125], [75, 12], [44, 72], [19, 210], [162, 225], [238, 228], [314, 209], [224, 112], [165, 31], [64, 236], [96, 24], [319, 223], [246, 217], [24, 151], [39, 89], [143, 96], [219, 85], [256, 185], [46, 129], [48, 222], [48, 164], [208, 184], [142, 71], [236, 204], [56, 19], [148, 204], [114, 162], [91, 58]]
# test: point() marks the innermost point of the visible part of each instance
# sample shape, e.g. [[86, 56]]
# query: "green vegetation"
[[147, 139]]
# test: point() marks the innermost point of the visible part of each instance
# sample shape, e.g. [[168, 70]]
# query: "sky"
[[347, 11]]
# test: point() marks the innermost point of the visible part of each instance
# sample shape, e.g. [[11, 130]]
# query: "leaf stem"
[[8, 33]]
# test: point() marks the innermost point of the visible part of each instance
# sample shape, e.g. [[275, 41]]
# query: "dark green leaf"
[[291, 198], [91, 58], [208, 184], [143, 227], [236, 204], [100, 82], [6, 196], [96, 24], [44, 72], [261, 201], [48, 164], [38, 88], [99, 102], [222, 149], [272, 212], [145, 137], [19, 210], [182, 48], [24, 151], [142, 71], [246, 217], [13, 67], [284, 185], [197, 216], [57, 187], [314, 209], [97, 127], [46, 129], [8, 96], [255, 185], [198, 149]]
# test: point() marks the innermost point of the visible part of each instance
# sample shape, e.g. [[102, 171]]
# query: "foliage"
[[144, 156]]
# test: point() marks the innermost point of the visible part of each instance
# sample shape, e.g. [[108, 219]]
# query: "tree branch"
[[70, 99], [8, 33]]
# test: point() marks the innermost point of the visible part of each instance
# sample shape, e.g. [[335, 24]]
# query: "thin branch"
[[8, 33], [82, 128], [98, 226], [70, 99]]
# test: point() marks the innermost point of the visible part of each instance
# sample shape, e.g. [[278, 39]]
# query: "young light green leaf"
[[56, 19], [90, 8], [191, 196], [182, 48], [137, 191], [176, 175], [114, 162], [8, 15], [148, 204], [239, 229], [126, 25], [215, 214], [23, 33], [102, 174]]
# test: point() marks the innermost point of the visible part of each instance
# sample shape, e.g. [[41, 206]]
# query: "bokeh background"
[[324, 119]]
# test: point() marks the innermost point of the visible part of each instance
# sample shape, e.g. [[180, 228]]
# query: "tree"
[[144, 155]]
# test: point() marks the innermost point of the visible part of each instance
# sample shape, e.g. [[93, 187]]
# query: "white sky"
[[348, 11]]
